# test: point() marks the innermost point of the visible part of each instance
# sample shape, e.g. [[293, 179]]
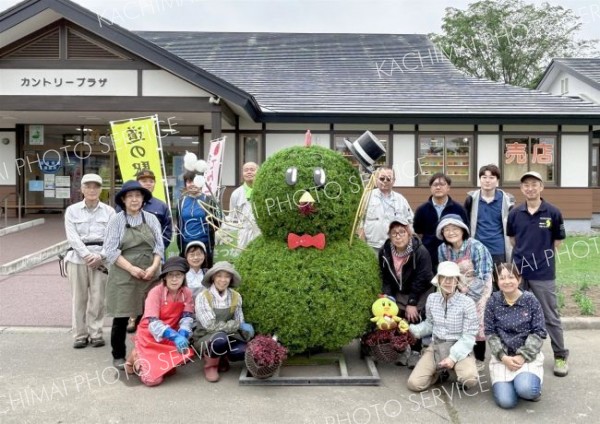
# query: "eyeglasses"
[[398, 234], [451, 230], [439, 184], [175, 274], [385, 179]]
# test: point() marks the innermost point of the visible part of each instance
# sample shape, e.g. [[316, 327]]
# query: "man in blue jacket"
[[429, 214]]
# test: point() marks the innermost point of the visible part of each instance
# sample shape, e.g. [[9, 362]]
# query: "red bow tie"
[[294, 241]]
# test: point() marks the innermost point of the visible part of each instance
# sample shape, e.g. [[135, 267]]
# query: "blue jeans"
[[525, 385]]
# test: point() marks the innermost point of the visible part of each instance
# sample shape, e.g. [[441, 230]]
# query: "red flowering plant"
[[266, 351], [397, 339]]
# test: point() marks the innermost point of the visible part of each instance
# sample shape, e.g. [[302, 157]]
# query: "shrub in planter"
[[264, 356], [386, 345], [312, 299]]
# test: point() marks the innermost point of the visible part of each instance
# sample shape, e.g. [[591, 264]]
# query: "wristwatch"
[[412, 302]]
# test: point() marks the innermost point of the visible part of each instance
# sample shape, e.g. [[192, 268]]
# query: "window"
[[529, 153], [595, 163], [564, 86], [450, 154], [340, 146]]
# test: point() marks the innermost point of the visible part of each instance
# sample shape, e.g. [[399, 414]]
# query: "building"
[[578, 78], [66, 72]]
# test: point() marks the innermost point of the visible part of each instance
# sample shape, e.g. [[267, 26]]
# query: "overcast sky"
[[362, 16]]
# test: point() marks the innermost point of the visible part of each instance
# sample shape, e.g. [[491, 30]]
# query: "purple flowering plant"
[[266, 351]]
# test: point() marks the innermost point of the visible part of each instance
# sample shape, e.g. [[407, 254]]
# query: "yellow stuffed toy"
[[386, 314]]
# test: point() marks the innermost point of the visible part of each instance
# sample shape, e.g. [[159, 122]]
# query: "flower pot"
[[384, 353], [260, 371]]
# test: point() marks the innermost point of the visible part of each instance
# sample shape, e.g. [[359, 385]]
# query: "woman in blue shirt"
[[195, 217]]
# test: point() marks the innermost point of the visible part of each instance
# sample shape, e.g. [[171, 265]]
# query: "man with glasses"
[[385, 206], [536, 230], [429, 214], [85, 227]]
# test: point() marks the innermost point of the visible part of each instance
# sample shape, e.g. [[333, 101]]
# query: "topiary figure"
[[311, 297]]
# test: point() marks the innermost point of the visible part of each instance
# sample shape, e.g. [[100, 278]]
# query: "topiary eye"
[[291, 176], [319, 177]]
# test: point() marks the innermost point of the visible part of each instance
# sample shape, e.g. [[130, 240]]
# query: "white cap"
[[532, 174], [91, 178]]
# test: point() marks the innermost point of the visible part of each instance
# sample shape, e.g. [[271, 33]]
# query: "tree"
[[510, 41]]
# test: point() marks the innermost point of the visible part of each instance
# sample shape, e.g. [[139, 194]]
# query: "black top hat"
[[367, 149], [131, 186]]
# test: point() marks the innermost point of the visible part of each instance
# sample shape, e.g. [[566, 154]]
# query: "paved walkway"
[[44, 380], [25, 242]]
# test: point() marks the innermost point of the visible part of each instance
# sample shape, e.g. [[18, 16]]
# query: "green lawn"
[[578, 261]]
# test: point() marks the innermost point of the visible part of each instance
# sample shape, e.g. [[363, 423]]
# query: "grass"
[[577, 261]]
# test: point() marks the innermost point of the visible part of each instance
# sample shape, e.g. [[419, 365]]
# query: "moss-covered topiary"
[[310, 298], [275, 202]]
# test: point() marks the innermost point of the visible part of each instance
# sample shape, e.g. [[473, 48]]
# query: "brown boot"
[[211, 369], [223, 364]]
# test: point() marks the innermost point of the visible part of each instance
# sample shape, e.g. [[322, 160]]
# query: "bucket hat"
[[450, 219], [128, 186], [174, 263], [222, 266], [448, 269]]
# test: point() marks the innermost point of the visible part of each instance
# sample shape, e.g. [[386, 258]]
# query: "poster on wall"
[[49, 182], [63, 192], [63, 181], [49, 193], [36, 185], [36, 135]]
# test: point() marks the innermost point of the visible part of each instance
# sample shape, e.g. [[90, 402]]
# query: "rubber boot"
[[223, 364], [211, 369]]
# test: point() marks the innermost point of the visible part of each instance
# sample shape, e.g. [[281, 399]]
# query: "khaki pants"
[[424, 374], [87, 292]]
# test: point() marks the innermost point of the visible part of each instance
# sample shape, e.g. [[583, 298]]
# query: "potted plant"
[[387, 345], [264, 356]]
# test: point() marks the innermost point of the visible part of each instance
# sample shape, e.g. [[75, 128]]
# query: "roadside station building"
[[66, 72]]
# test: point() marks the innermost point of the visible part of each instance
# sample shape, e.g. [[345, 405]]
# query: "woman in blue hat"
[[134, 248]]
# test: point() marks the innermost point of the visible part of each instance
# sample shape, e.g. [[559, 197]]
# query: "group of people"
[[495, 280], [116, 267], [490, 285]]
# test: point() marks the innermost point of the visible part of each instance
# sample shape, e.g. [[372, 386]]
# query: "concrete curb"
[[21, 226], [580, 323], [34, 259]]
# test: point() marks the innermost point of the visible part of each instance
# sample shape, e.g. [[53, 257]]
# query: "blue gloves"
[[180, 342], [247, 330], [184, 333]]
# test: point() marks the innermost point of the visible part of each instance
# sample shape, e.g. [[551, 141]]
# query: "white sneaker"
[[480, 366]]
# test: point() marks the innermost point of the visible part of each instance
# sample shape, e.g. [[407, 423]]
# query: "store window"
[[529, 153], [250, 148], [340, 146], [450, 154]]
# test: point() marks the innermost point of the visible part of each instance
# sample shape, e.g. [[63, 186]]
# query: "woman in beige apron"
[[134, 247]]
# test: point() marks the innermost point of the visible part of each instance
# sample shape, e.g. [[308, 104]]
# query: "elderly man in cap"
[[536, 229], [240, 207], [85, 227], [385, 206], [158, 208]]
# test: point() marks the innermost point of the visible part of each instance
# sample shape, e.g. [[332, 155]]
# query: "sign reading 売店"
[[68, 82]]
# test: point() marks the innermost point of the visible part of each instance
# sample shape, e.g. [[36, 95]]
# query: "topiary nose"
[[306, 198]]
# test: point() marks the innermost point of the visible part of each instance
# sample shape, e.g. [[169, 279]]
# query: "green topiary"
[[310, 298]]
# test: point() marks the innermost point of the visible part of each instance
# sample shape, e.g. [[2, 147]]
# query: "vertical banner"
[[215, 163], [137, 145]]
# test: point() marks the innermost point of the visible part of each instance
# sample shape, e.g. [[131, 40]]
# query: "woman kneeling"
[[515, 329], [221, 333], [161, 342]]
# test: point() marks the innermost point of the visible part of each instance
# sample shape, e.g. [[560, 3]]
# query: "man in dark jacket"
[[406, 275], [429, 214]]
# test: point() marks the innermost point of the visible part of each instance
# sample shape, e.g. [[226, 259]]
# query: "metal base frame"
[[343, 379]]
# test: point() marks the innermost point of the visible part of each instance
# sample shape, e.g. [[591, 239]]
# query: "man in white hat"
[[385, 206], [85, 227], [536, 230], [452, 322]]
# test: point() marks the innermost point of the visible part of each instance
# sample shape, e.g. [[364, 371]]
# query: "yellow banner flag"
[[136, 144]]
